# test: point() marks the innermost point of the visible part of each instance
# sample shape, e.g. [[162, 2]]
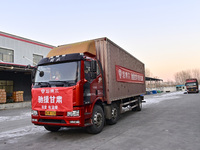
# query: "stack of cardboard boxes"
[[18, 96], [2, 96]]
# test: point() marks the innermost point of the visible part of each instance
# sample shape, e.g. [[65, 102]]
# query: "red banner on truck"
[[127, 75], [52, 99]]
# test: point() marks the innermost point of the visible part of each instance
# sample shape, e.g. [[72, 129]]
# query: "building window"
[[6, 55], [36, 59], [7, 85]]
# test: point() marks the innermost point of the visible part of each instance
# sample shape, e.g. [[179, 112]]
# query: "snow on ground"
[[13, 118], [13, 135], [153, 99]]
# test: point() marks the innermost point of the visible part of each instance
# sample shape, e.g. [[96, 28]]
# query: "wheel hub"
[[114, 113], [98, 119]]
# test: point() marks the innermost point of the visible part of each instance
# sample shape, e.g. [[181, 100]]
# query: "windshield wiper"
[[44, 84], [64, 83], [60, 83]]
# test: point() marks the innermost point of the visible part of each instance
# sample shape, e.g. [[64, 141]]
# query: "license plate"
[[50, 113]]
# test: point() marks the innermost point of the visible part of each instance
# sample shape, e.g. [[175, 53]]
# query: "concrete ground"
[[15, 105], [167, 122]]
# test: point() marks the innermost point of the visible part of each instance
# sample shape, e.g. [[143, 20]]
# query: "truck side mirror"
[[93, 66], [41, 74]]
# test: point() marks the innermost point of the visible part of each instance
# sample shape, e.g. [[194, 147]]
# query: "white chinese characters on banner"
[[50, 99], [127, 75], [46, 99], [52, 91], [130, 76], [49, 102], [50, 107], [40, 99], [59, 99]]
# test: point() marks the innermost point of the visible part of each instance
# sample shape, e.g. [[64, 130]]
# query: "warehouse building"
[[15, 54]]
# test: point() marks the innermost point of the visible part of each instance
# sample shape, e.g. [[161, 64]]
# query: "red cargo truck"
[[85, 84], [192, 85]]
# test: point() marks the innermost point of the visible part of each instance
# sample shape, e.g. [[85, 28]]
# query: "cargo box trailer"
[[86, 84]]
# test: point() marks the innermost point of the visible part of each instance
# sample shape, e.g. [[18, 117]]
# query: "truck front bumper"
[[60, 119], [192, 90]]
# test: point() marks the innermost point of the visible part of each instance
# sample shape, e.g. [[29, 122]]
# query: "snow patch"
[[13, 118], [159, 98], [13, 135]]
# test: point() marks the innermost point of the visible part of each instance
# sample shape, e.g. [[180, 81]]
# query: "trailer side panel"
[[111, 55]]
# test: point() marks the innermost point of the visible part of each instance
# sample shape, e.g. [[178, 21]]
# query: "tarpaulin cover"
[[81, 47], [52, 99]]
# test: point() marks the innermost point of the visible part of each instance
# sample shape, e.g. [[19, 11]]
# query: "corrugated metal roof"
[[25, 40]]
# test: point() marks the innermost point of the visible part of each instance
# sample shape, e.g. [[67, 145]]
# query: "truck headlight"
[[74, 113], [34, 112]]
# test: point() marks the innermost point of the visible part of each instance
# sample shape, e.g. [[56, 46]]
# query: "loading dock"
[[15, 77], [15, 54]]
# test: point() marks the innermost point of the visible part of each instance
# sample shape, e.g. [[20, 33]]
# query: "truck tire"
[[98, 120], [52, 128], [139, 103], [114, 113]]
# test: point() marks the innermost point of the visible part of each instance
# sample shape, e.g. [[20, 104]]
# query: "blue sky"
[[164, 34]]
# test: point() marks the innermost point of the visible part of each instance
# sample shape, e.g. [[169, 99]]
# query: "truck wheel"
[[52, 128], [98, 120], [139, 103], [114, 113]]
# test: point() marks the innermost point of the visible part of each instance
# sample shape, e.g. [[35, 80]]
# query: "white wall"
[[22, 48], [164, 89]]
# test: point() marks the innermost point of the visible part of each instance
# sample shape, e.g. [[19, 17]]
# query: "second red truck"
[[192, 85]]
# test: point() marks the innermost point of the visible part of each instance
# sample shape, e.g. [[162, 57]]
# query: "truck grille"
[[52, 121]]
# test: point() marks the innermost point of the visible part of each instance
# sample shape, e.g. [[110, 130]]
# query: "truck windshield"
[[68, 72], [191, 84]]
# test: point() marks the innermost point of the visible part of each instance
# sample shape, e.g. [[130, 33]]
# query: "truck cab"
[[192, 85], [65, 89]]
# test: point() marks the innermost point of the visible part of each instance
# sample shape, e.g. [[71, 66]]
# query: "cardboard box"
[[18, 96], [2, 96], [2, 101], [2, 93], [2, 90]]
